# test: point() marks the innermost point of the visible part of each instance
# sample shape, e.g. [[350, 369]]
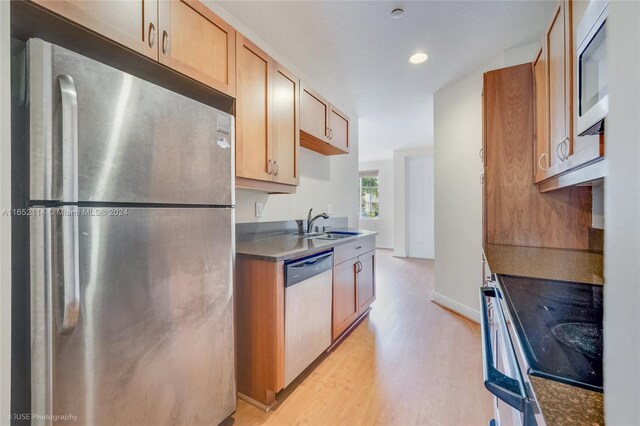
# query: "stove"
[[560, 327]]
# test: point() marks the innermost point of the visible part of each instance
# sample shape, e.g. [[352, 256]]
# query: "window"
[[369, 195]]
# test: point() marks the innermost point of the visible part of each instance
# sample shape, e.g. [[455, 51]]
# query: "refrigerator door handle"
[[69, 298], [69, 171]]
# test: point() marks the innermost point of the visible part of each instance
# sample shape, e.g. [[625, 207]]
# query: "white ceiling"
[[357, 49]]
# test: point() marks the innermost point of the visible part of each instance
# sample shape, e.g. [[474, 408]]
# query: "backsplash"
[[258, 230]]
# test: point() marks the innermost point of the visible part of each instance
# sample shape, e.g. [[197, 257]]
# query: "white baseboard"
[[456, 307]]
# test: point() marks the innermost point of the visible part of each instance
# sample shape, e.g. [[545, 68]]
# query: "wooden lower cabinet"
[[345, 298], [366, 281], [354, 291], [259, 306]]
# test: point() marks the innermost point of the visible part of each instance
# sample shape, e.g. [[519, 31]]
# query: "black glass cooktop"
[[560, 327]]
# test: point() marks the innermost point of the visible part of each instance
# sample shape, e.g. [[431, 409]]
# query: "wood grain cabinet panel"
[[345, 299], [558, 45], [314, 114], [323, 127], [516, 213], [366, 281], [542, 153], [196, 42], [259, 312], [339, 129], [133, 24], [267, 121], [253, 148], [286, 130]]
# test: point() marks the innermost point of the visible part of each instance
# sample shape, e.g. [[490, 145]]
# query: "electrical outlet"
[[259, 209], [329, 209]]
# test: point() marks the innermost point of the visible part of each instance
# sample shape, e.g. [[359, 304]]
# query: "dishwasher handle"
[[299, 270]]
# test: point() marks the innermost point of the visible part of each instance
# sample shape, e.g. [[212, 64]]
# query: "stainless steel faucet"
[[310, 220]]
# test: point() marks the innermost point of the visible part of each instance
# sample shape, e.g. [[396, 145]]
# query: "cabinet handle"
[[165, 42], [561, 155], [275, 168], [358, 247], [565, 150], [543, 155], [481, 153], [482, 179], [270, 167], [330, 133], [152, 34], [358, 267]]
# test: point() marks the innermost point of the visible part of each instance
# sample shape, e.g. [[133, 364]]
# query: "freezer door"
[[119, 138], [153, 343]]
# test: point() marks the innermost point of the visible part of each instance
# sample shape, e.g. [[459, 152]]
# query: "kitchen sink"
[[345, 233], [334, 236], [338, 235]]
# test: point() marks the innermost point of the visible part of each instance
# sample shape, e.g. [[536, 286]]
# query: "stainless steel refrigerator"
[[131, 248]]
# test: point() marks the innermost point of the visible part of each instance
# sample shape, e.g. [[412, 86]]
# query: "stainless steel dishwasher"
[[307, 311]]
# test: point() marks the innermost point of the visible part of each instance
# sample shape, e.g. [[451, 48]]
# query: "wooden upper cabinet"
[[196, 42], [314, 114], [366, 281], [541, 129], [323, 128], [133, 24], [286, 126], [267, 121], [559, 47], [253, 149], [345, 298], [339, 129]]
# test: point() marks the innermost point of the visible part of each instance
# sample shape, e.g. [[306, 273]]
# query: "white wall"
[[384, 223], [408, 127], [622, 220], [5, 221], [323, 180], [400, 215], [458, 195]]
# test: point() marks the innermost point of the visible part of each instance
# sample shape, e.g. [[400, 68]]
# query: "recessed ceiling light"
[[418, 58], [397, 13]]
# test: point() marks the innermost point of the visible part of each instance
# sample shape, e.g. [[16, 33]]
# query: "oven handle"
[[502, 386]]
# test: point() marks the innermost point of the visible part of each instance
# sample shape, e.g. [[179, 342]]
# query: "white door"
[[419, 200]]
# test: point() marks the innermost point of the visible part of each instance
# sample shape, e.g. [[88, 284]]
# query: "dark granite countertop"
[[290, 246], [561, 404]]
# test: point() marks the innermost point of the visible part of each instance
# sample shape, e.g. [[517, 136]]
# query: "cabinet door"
[[366, 281], [559, 56], [314, 114], [196, 42], [285, 124], [345, 300], [541, 157], [339, 129], [253, 150], [133, 24]]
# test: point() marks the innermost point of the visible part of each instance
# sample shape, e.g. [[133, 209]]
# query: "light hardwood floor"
[[410, 363]]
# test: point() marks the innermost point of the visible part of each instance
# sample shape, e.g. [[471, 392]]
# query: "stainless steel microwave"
[[593, 78]]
